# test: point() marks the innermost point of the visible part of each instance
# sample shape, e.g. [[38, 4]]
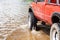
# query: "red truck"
[[47, 11]]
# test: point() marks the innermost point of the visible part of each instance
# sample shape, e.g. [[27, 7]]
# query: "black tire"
[[32, 21], [55, 32]]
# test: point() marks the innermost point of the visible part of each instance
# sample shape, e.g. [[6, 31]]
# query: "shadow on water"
[[45, 29]]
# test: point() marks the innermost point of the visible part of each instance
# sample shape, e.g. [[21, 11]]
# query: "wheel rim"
[[55, 35]]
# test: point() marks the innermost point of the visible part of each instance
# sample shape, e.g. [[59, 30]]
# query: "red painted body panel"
[[44, 11]]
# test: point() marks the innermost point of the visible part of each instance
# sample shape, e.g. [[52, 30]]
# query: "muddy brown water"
[[26, 34]]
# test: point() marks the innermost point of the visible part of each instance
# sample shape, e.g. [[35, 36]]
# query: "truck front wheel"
[[32, 21], [55, 32]]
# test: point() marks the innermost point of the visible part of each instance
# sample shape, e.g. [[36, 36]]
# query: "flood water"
[[15, 28], [26, 34]]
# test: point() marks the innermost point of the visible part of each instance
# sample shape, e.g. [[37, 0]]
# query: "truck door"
[[49, 9], [40, 8]]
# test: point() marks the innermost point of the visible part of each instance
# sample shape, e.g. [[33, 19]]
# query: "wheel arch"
[[30, 9], [55, 17]]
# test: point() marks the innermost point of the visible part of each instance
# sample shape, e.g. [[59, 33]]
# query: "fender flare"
[[30, 9], [56, 14]]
